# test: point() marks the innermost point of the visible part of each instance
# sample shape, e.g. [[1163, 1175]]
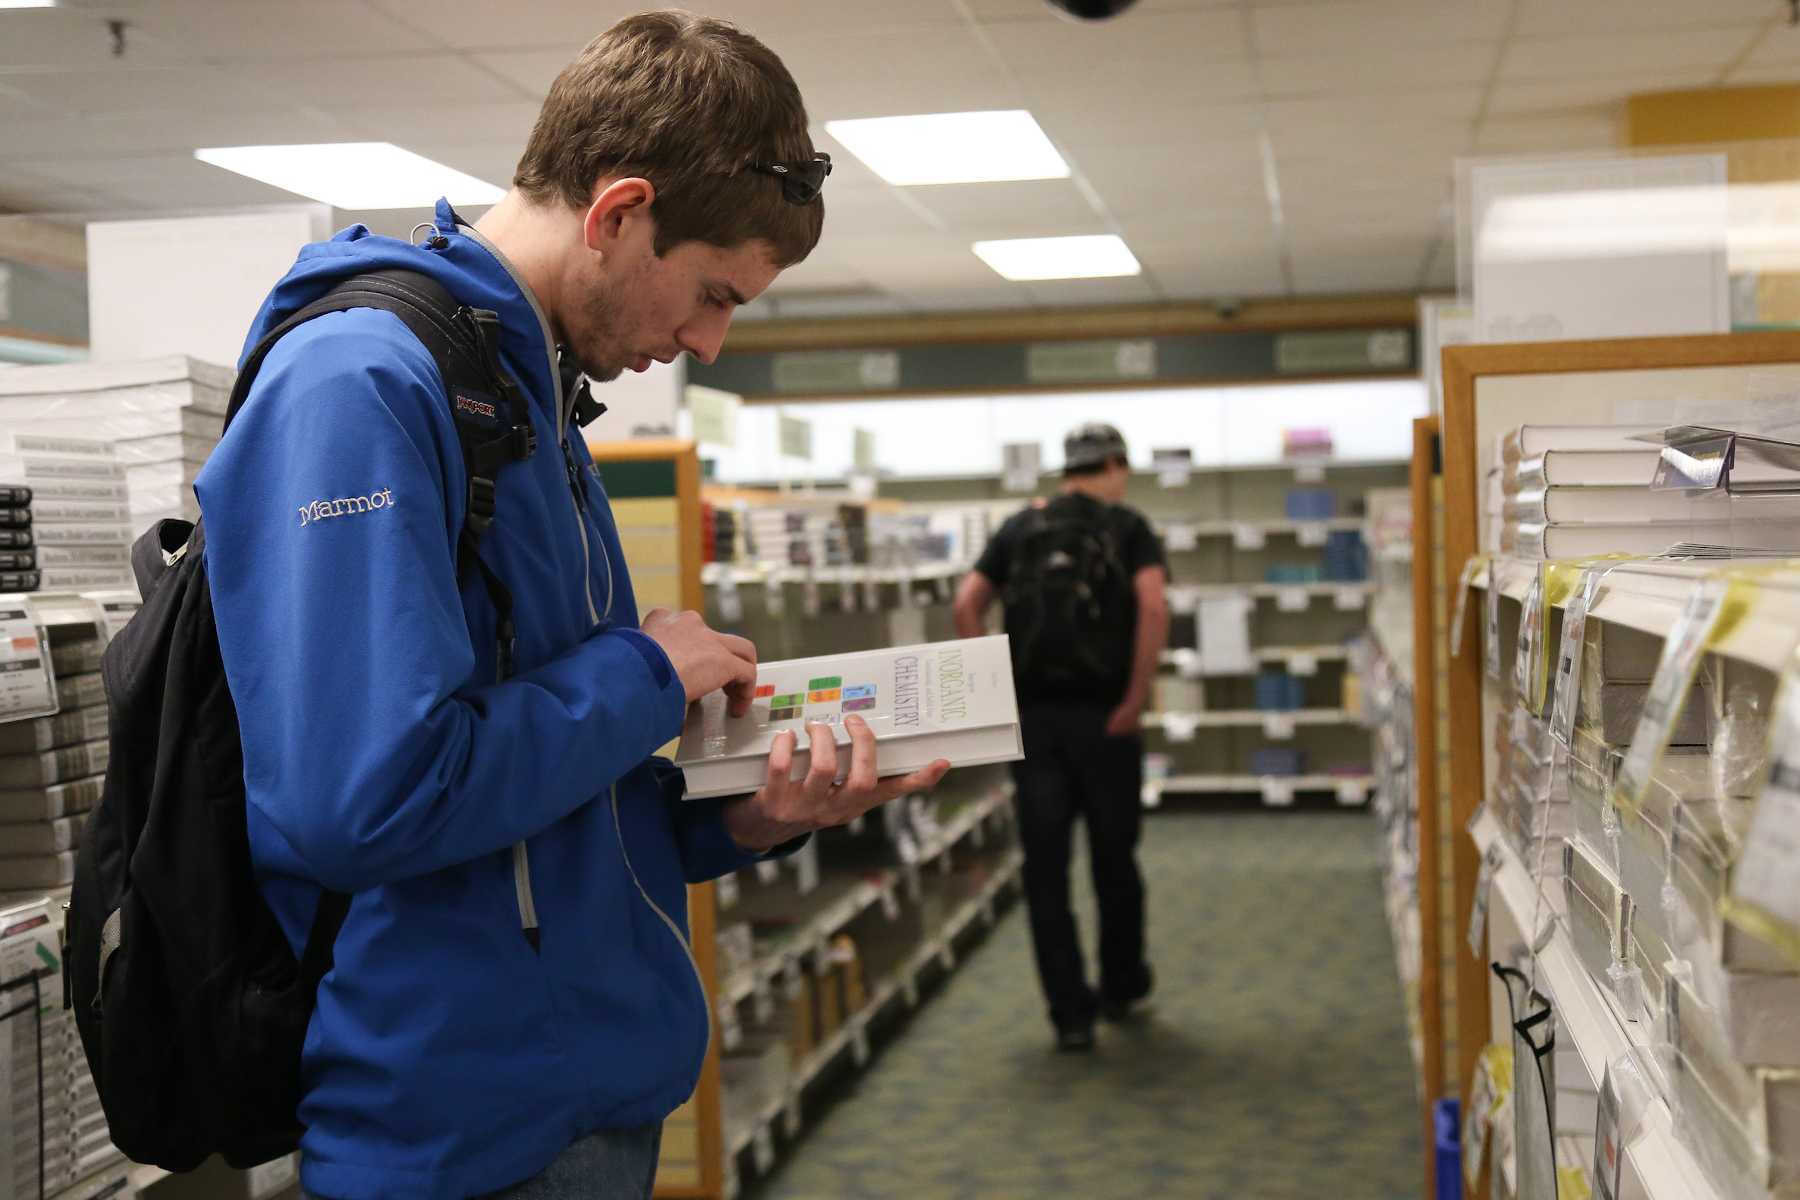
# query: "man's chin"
[[604, 374]]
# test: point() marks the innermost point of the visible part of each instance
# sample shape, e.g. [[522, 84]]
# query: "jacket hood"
[[471, 269]]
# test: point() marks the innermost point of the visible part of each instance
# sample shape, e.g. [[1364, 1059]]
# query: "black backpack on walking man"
[[1068, 600], [191, 1005]]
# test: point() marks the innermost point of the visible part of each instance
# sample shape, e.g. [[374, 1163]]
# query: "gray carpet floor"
[[1273, 1064]]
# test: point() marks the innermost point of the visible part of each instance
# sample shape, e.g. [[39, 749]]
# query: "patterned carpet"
[[1273, 1065]]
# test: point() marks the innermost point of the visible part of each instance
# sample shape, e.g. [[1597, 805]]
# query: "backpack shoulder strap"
[[493, 425]]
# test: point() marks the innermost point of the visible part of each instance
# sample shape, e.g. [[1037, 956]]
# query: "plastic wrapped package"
[[1592, 908], [1613, 689], [164, 447], [78, 392], [1536, 831]]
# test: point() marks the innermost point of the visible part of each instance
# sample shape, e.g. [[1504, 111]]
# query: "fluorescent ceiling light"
[[27, 3], [969, 147], [1059, 257], [353, 175]]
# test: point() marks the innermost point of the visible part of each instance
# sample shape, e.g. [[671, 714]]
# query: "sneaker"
[[1121, 1011], [1075, 1039]]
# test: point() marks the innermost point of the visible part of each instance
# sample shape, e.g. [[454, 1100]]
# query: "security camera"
[[1090, 10]]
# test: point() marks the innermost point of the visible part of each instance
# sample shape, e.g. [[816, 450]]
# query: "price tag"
[[1278, 727], [1311, 534], [731, 601], [767, 870], [1179, 727], [27, 688], [1248, 537], [1484, 882], [809, 594], [1568, 657], [113, 610], [1682, 649], [859, 1044], [1187, 662], [1477, 1120], [1181, 538], [1292, 599], [1309, 473], [775, 594], [725, 889], [1529, 650], [731, 1034], [1470, 570], [1609, 1147], [762, 1149], [1184, 601], [806, 866], [1770, 860], [1303, 663], [1349, 599], [1277, 793], [790, 1116], [1349, 793], [1491, 641]]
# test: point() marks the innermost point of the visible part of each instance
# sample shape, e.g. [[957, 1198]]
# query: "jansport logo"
[[480, 408], [348, 506]]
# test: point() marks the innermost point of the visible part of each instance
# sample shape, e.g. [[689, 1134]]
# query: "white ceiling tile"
[[1547, 134], [1228, 274], [1380, 69], [1141, 125], [1068, 293], [1622, 54], [349, 83], [1780, 46], [821, 271], [1751, 76], [417, 126], [1015, 10], [1036, 208], [118, 89], [532, 71], [154, 131], [1552, 17], [224, 31], [1543, 96], [1081, 51], [1374, 115], [1337, 272], [1347, 28], [846, 74], [880, 207]]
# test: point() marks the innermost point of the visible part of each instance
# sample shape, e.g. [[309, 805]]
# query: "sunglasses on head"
[[800, 181]]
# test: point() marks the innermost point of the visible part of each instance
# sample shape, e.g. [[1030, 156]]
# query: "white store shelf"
[[1350, 789], [1251, 718], [749, 574], [1217, 527], [1657, 1165], [1273, 655]]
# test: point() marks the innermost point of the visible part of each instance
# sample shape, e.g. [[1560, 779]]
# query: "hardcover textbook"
[[949, 700]]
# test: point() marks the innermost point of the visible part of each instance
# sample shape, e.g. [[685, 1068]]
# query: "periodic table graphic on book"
[[951, 700]]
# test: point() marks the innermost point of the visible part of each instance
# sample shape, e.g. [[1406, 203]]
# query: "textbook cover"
[[948, 700]]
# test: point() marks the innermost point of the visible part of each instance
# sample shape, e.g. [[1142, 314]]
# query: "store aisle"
[[1273, 1065]]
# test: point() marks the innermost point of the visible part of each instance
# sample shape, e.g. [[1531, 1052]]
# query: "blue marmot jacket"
[[447, 1056]]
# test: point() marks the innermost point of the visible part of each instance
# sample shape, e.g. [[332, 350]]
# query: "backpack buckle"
[[481, 503], [521, 441]]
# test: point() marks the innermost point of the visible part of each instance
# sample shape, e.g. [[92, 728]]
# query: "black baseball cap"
[[1093, 445]]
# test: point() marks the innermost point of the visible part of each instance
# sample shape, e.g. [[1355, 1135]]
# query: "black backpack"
[[191, 1005], [1068, 601]]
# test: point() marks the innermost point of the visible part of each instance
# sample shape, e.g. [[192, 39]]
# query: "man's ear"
[[618, 205]]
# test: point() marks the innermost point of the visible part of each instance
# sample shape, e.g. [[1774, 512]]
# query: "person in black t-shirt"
[[1081, 579]]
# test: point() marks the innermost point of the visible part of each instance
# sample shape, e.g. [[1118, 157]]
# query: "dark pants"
[[1073, 771]]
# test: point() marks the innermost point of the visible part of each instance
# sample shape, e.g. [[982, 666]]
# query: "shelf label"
[[1349, 599], [1277, 793], [1609, 1148], [1484, 883], [1349, 793], [731, 601], [726, 890], [1528, 651], [1248, 537], [1181, 538], [1311, 534], [26, 686], [1278, 727], [1021, 464], [1179, 727], [1292, 600], [112, 611], [1713, 601], [1491, 639], [1173, 466], [1303, 663], [1567, 694]]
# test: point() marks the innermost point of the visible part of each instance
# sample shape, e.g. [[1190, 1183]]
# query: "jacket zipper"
[[686, 946]]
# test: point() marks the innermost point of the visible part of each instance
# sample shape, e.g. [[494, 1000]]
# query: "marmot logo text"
[[320, 510]]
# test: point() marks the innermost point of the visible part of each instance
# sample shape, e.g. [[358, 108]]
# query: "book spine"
[[20, 581], [17, 560], [78, 579], [82, 556], [36, 470], [14, 496], [68, 535], [101, 490], [16, 539], [15, 518], [58, 447], [82, 691], [46, 512]]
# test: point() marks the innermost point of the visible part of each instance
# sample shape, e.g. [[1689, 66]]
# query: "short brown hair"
[[688, 103]]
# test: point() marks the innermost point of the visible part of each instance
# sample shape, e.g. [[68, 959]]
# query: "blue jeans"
[[612, 1164]]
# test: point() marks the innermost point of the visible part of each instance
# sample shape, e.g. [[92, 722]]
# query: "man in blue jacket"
[[513, 1006]]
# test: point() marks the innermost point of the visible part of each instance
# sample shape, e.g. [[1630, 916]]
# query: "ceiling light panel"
[[353, 175], [1094, 257], [967, 147], [27, 3]]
